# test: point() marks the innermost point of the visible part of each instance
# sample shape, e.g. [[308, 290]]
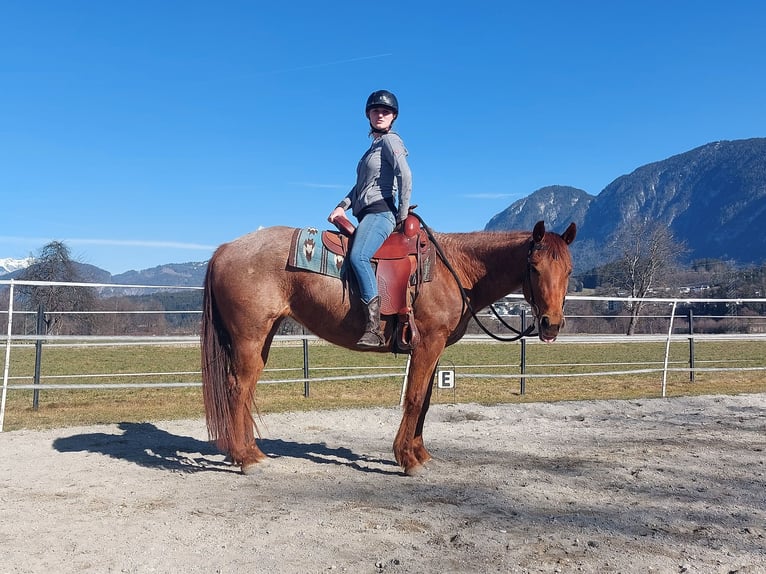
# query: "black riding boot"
[[372, 336]]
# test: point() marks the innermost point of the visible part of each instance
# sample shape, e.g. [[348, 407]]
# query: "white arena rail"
[[663, 367]]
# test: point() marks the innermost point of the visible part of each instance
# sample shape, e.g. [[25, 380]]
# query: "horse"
[[249, 290]]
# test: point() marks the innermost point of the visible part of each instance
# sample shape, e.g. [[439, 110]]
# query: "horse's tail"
[[215, 344]]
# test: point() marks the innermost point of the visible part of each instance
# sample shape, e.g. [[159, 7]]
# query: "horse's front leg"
[[421, 453], [409, 449]]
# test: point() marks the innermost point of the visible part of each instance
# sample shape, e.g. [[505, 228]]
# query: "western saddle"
[[402, 263]]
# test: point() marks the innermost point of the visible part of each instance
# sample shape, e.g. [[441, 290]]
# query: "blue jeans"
[[370, 234]]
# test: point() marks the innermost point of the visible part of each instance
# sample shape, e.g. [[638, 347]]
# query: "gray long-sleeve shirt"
[[382, 171]]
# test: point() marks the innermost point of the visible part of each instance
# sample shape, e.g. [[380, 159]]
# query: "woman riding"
[[381, 173]]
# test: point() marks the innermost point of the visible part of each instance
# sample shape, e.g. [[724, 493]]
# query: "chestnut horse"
[[249, 290]]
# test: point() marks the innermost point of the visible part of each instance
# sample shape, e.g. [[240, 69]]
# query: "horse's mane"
[[470, 252], [477, 242]]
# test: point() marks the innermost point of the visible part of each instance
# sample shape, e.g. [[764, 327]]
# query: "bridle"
[[528, 277]]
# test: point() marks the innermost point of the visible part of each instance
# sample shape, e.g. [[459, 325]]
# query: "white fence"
[[192, 378]]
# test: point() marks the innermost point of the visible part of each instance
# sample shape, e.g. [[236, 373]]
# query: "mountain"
[[87, 273], [558, 205], [712, 197], [189, 274], [92, 274], [8, 265]]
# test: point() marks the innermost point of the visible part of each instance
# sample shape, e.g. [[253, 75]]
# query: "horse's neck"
[[490, 265]]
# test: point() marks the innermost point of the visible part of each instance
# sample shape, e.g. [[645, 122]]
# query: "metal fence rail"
[[514, 371]]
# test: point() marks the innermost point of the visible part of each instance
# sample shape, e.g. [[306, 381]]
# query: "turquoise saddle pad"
[[308, 253]]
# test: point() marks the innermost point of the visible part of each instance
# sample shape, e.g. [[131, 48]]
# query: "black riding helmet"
[[384, 99]]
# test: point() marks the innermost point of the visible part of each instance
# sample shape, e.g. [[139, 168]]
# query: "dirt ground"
[[657, 485]]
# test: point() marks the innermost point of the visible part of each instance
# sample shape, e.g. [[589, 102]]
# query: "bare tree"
[[54, 263], [648, 252]]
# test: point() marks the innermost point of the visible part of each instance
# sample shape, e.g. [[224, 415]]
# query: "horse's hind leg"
[[249, 360]]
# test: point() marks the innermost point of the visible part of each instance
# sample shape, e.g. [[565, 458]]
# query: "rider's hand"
[[337, 212]]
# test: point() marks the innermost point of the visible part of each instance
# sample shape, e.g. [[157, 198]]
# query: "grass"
[[59, 408]]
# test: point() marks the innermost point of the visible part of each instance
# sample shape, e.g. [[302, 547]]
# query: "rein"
[[466, 302]]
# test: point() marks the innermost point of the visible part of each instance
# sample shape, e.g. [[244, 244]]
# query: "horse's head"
[[549, 265]]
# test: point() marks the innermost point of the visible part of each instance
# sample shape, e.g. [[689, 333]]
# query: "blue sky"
[[142, 133]]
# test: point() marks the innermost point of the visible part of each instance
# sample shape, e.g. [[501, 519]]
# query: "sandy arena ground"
[[658, 485]]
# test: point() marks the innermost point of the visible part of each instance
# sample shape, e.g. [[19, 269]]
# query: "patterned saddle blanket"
[[309, 253]]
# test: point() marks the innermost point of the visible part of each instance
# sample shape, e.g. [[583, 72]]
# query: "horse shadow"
[[320, 453], [146, 445]]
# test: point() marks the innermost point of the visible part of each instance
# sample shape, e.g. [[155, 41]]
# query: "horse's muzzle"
[[549, 331]]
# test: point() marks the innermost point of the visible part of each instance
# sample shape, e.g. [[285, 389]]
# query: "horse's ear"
[[569, 235], [538, 232]]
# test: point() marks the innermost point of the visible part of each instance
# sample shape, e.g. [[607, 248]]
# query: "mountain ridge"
[[713, 198], [190, 274]]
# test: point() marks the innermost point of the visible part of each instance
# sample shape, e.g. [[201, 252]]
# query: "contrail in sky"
[[116, 242], [142, 243], [318, 185], [489, 195], [326, 64]]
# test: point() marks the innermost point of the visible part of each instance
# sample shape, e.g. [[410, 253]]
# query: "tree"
[[54, 263], [646, 249]]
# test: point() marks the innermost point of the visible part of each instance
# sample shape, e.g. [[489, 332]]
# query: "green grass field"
[[499, 382]]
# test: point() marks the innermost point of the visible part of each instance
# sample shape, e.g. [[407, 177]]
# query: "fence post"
[[523, 366], [667, 350], [306, 384], [691, 346], [7, 355], [38, 355]]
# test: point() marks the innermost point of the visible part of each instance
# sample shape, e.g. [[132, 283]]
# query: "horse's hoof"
[[416, 470], [425, 459], [252, 468]]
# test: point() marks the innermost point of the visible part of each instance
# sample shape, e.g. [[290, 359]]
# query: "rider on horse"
[[381, 173]]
